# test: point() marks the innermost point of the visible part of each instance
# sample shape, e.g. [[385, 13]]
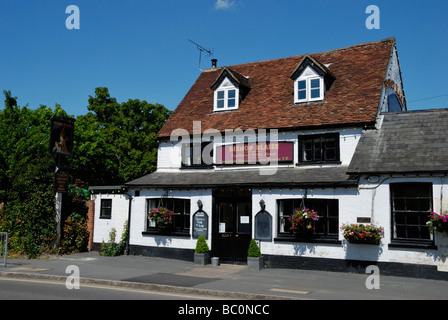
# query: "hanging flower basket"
[[303, 220], [163, 217], [360, 233], [438, 222]]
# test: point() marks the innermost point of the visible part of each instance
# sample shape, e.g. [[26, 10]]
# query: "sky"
[[140, 49]]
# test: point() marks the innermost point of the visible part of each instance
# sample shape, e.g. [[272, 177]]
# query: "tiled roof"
[[407, 142], [354, 96], [290, 177]]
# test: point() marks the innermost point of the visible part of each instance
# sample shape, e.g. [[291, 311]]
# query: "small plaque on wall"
[[363, 219]]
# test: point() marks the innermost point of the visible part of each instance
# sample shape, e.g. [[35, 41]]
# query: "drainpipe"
[[126, 250]]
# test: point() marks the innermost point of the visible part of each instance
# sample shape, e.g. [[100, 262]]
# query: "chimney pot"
[[214, 61]]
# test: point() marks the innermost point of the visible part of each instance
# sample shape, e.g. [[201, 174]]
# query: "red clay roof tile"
[[354, 96]]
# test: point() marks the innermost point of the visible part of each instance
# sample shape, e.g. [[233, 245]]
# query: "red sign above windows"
[[255, 153]]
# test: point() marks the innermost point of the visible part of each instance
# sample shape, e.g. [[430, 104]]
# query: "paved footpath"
[[224, 281]]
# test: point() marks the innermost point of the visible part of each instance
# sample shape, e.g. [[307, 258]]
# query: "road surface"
[[16, 289]]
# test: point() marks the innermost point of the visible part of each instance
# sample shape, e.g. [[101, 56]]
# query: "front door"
[[232, 224]]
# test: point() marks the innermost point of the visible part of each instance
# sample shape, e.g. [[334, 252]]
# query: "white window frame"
[[308, 80], [226, 86]]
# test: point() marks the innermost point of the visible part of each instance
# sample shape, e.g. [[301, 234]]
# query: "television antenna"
[[202, 49]]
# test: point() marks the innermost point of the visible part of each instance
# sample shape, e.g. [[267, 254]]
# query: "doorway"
[[232, 224]]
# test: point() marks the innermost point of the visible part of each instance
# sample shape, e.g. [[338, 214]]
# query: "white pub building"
[[251, 143]]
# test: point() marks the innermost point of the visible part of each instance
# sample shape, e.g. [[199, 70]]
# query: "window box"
[[362, 234], [367, 241]]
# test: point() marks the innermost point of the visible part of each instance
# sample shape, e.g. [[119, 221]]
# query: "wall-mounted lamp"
[[262, 204]]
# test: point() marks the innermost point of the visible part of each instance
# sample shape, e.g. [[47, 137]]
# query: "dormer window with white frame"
[[311, 80], [226, 97], [229, 88], [308, 88]]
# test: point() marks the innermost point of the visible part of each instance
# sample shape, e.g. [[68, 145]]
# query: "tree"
[[116, 142], [27, 177]]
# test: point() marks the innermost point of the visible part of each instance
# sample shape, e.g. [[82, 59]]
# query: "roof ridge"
[[304, 54], [416, 111]]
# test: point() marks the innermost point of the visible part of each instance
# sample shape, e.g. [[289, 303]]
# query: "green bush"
[[254, 250], [113, 249], [201, 245], [75, 236], [29, 219]]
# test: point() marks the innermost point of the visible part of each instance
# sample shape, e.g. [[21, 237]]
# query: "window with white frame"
[[226, 97], [308, 88]]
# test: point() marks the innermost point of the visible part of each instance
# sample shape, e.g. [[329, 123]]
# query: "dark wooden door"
[[232, 224]]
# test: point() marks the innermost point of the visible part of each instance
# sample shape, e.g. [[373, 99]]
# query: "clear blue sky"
[[139, 49]]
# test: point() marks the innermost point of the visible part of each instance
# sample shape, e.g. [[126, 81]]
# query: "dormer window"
[[311, 80], [308, 89], [226, 97], [230, 88]]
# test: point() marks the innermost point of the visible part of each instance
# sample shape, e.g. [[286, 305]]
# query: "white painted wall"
[[102, 227], [369, 200], [139, 216]]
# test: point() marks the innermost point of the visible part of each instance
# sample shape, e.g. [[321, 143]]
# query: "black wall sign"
[[200, 224], [263, 226]]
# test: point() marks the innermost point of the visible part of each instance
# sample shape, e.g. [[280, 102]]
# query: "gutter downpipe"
[[126, 250]]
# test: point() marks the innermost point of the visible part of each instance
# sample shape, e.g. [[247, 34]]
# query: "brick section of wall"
[[90, 219]]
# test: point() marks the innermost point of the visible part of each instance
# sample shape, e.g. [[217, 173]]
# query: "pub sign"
[[61, 136]]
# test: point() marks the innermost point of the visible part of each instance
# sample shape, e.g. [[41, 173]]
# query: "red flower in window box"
[[360, 233]]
